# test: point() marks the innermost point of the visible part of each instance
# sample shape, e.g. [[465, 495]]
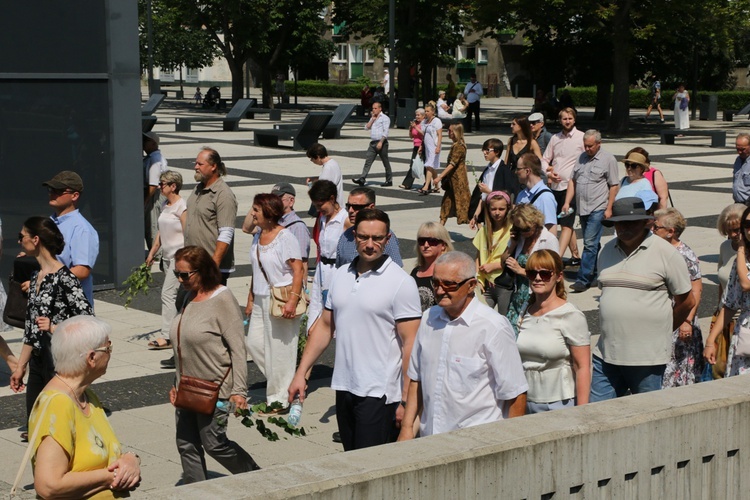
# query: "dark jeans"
[[198, 434], [41, 371], [472, 109], [591, 227], [372, 153], [365, 421], [408, 181], [614, 381]]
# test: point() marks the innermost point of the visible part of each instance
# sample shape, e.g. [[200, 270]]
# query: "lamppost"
[[391, 64], [150, 39]]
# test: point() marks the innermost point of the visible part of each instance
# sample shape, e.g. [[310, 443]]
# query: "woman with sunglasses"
[[55, 294], [433, 241], [735, 299], [528, 235], [491, 243], [277, 262], [635, 166], [209, 342], [75, 451], [330, 225], [169, 239], [553, 340]]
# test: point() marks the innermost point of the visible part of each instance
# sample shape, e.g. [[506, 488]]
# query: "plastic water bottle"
[[227, 406], [565, 214], [295, 412]]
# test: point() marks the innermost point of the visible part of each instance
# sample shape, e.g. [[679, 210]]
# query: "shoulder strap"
[[27, 455], [260, 264], [538, 194]]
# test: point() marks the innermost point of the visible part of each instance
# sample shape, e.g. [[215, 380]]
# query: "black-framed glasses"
[[657, 227], [379, 238], [184, 276], [59, 192], [356, 206], [21, 236], [162, 184], [543, 274], [433, 242], [449, 286], [518, 229]]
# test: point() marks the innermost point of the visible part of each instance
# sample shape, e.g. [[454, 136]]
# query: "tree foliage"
[[269, 32]]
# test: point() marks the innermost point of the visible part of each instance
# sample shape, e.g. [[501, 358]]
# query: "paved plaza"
[[135, 386]]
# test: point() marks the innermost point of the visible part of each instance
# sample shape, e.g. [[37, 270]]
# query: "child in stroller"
[[212, 97]]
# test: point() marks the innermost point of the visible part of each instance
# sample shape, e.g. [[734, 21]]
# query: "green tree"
[[176, 44], [266, 31], [612, 41]]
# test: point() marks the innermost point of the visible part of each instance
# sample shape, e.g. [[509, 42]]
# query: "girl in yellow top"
[[491, 243], [75, 452]]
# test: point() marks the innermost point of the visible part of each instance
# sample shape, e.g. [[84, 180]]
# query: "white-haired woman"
[[75, 452], [170, 238]]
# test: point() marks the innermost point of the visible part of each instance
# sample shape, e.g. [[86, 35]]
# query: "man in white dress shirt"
[[378, 126], [465, 369]]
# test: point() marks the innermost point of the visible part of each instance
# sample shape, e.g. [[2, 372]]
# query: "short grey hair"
[[593, 133], [730, 213], [172, 177], [419, 110], [743, 135], [75, 337], [466, 265]]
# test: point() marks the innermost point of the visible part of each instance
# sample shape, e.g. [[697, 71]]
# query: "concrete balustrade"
[[686, 443]]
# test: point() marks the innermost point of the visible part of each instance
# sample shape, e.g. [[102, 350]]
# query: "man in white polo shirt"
[[465, 368], [373, 306]]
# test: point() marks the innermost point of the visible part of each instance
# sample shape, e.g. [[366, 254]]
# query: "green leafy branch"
[[260, 425], [139, 281]]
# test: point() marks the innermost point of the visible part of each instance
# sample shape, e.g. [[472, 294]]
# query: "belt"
[[327, 261], [385, 139]]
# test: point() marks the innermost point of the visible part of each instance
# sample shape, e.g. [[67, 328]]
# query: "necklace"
[[85, 399]]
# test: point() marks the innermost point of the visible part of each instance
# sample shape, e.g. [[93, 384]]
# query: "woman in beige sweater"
[[209, 342]]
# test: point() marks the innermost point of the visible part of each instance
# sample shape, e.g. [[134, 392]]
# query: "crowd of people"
[[458, 341]]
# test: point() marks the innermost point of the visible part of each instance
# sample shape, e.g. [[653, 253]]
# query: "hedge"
[[641, 98], [582, 96]]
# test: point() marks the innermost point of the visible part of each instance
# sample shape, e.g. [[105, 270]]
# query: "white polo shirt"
[[468, 368], [365, 310]]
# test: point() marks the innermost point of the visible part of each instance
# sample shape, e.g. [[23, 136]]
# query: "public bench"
[[302, 136], [179, 94], [718, 137], [340, 115], [231, 120], [153, 103]]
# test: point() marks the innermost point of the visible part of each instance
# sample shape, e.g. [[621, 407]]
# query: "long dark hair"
[[49, 235], [523, 123]]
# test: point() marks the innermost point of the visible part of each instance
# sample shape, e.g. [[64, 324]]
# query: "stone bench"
[[718, 137]]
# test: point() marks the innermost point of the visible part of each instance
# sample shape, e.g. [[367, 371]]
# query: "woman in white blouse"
[[553, 340], [169, 239], [277, 261], [331, 223]]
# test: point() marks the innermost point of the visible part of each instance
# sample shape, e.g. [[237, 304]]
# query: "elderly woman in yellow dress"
[[75, 452]]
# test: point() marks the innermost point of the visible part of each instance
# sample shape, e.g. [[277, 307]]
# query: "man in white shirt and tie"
[[378, 126]]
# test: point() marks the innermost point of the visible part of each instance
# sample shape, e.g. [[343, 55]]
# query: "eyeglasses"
[[632, 165], [362, 238], [656, 227], [356, 207], [449, 286], [485, 150], [21, 236], [517, 229], [544, 274], [162, 184], [107, 349], [59, 192], [433, 242], [184, 276]]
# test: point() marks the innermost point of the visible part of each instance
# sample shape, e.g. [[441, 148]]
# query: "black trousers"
[[365, 421], [41, 371], [472, 109]]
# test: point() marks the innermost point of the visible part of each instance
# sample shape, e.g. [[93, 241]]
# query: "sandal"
[[423, 193], [159, 344]]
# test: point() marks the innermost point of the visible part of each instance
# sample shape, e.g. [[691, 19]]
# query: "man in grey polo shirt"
[[594, 184], [211, 212], [646, 295]]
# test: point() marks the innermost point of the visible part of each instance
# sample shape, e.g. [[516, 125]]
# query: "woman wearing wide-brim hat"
[[635, 165]]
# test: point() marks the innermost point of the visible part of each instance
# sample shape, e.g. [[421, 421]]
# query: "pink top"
[[414, 132], [562, 153]]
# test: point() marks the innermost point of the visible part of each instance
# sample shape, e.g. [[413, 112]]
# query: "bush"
[[317, 88], [641, 98]]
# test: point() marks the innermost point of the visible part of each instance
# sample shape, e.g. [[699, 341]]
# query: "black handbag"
[[507, 280], [15, 308]]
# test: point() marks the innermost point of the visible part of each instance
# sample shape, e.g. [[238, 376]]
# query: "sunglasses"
[[162, 184], [107, 349], [517, 229], [448, 286], [433, 242], [356, 207], [59, 192], [21, 236], [543, 274], [184, 276]]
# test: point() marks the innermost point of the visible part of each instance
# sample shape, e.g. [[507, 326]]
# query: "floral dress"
[[686, 364], [456, 185], [520, 297], [734, 298]]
